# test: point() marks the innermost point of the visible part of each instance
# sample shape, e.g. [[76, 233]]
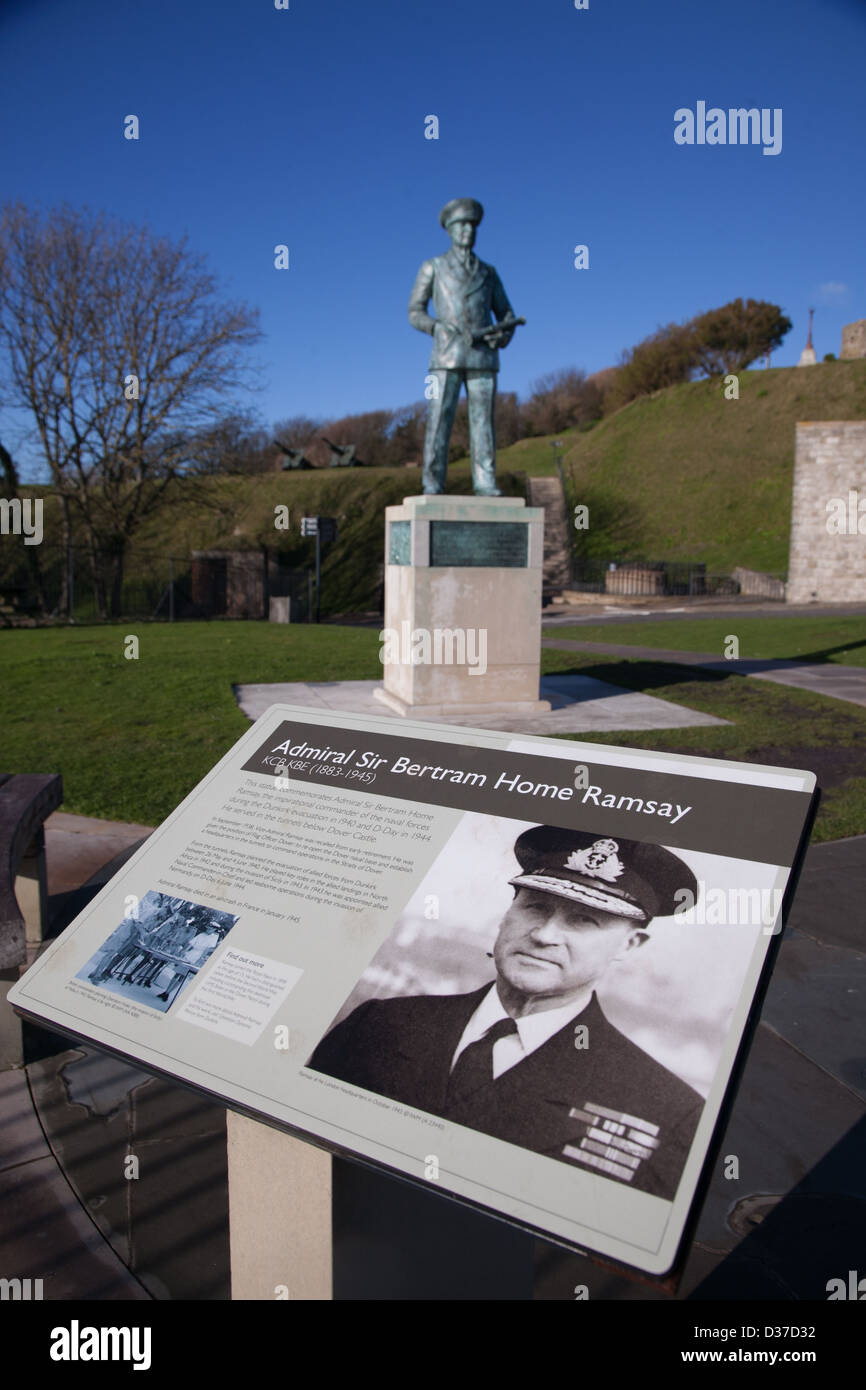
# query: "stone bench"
[[26, 800]]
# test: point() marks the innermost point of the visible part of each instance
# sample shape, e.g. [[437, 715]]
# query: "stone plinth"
[[462, 606], [828, 518]]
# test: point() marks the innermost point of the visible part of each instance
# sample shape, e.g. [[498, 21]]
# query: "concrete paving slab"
[[89, 1140], [779, 1142], [603, 608], [817, 1001], [165, 1110], [561, 1276], [11, 1039], [169, 1224], [179, 1216], [23, 1140], [454, 1253], [812, 1236], [580, 705], [823, 678], [47, 1236], [95, 1080], [831, 892], [830, 678], [77, 846]]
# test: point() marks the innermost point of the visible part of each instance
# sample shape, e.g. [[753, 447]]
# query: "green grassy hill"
[[683, 474], [239, 513], [688, 475]]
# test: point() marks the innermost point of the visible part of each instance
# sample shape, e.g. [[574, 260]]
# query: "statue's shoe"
[[489, 492]]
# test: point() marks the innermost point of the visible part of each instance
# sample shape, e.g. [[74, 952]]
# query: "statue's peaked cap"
[[467, 209]]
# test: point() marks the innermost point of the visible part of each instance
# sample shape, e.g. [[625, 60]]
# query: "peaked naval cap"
[[466, 209], [625, 877]]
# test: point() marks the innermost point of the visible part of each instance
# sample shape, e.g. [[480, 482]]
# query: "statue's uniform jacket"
[[466, 300], [403, 1048]]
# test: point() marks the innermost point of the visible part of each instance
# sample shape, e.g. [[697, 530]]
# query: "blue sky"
[[306, 126]]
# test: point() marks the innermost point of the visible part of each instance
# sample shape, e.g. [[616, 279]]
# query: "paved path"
[[78, 846], [823, 678], [47, 1233], [625, 610], [580, 705]]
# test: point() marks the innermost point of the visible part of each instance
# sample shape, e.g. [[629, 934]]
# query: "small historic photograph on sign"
[[562, 990], [157, 949]]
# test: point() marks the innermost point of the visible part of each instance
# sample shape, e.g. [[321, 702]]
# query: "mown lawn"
[[841, 639], [768, 724], [132, 737]]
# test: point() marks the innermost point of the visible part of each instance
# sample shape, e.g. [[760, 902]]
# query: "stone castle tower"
[[827, 561], [854, 339]]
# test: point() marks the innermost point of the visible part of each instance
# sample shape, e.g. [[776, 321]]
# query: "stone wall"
[[854, 339], [756, 584], [827, 561]]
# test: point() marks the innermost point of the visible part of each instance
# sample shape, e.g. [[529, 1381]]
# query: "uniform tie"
[[474, 1066]]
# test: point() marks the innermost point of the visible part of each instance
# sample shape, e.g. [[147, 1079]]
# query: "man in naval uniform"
[[531, 1058], [465, 293]]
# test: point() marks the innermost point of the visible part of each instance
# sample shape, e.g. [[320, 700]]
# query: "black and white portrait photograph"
[[560, 990], [157, 949]]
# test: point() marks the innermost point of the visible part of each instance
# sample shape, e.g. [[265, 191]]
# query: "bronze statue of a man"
[[465, 294]]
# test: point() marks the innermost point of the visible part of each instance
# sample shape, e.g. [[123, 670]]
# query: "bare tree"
[[508, 421], [559, 400], [119, 349], [235, 444], [297, 431], [665, 358], [370, 433], [10, 487], [407, 433]]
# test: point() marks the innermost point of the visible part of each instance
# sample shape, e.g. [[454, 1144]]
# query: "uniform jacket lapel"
[[459, 282], [476, 280], [423, 1063], [535, 1096]]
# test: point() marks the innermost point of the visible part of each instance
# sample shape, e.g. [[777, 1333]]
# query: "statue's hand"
[[498, 337]]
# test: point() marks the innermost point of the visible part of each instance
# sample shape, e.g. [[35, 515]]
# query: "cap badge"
[[599, 861]]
